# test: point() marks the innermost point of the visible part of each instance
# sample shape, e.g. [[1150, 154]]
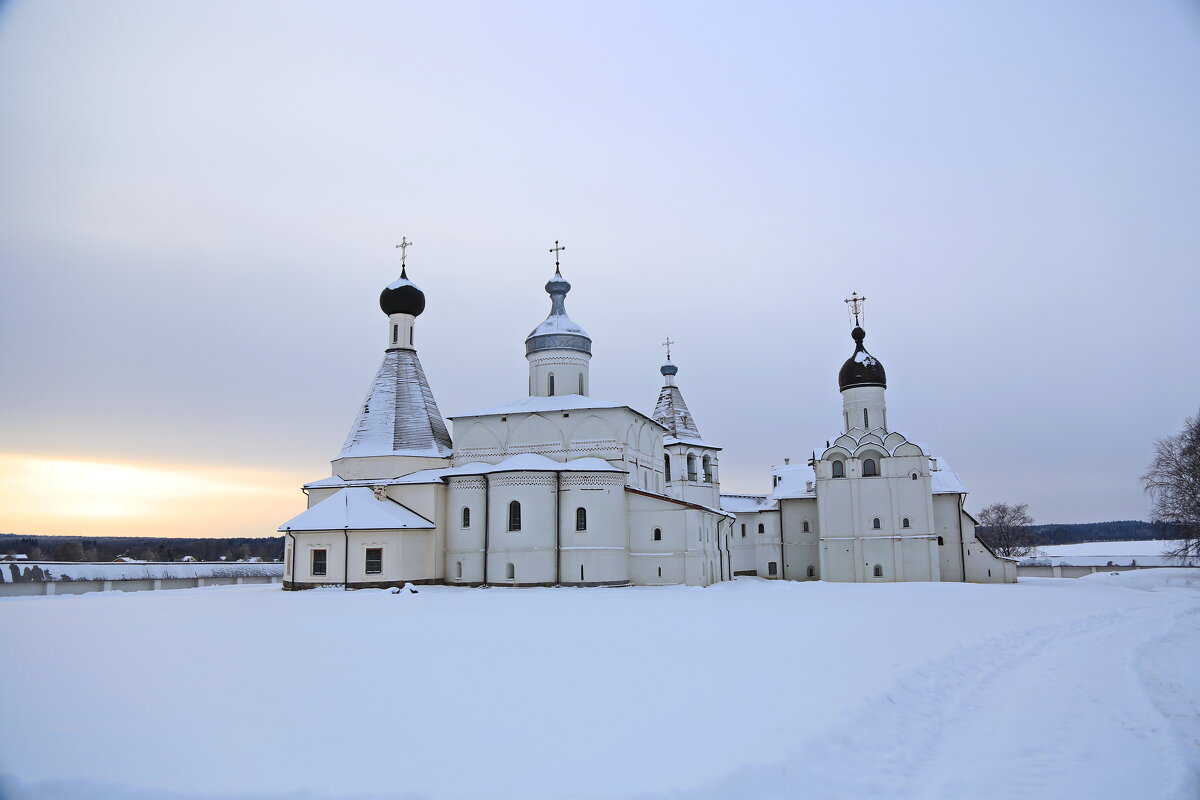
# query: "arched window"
[[762, 528], [875, 523], [552, 384], [466, 517], [691, 467], [581, 383], [581, 519], [805, 526], [878, 571], [914, 476], [812, 572], [458, 570], [941, 541], [658, 534], [510, 572], [707, 464], [904, 523], [839, 469], [667, 467], [866, 421], [869, 468], [514, 516]]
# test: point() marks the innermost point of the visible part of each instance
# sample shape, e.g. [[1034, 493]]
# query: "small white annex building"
[[560, 489]]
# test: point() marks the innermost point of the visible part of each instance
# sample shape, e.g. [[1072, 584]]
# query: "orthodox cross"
[[403, 247], [557, 247], [854, 304], [667, 344]]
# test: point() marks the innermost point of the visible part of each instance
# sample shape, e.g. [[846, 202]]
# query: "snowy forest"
[[142, 548]]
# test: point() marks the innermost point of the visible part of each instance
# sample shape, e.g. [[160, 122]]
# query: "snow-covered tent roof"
[[399, 415], [357, 508], [748, 503], [672, 413]]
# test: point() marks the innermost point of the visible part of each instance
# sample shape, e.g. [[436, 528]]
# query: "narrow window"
[[410, 337], [708, 473], [691, 467], [658, 534], [581, 519], [812, 573], [869, 468], [374, 561], [458, 570], [875, 523], [839, 469], [660, 572], [318, 562], [743, 530], [772, 568], [667, 467], [514, 516], [989, 573], [866, 421], [762, 528], [466, 517], [510, 572], [581, 383], [805, 526], [904, 523], [395, 333], [552, 385], [878, 571], [941, 542], [581, 572]]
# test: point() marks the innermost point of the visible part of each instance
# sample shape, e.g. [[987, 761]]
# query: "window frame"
[[514, 516], [367, 559], [581, 519], [312, 562]]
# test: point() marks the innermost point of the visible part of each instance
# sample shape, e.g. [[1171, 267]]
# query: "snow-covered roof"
[[523, 462], [357, 508], [670, 440], [558, 323], [793, 480], [672, 413], [748, 503], [943, 479], [399, 415], [533, 405]]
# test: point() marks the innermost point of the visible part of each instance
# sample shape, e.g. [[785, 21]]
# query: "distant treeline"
[[1120, 531], [143, 548]]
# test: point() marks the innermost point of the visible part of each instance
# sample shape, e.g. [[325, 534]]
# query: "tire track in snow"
[[1018, 715]]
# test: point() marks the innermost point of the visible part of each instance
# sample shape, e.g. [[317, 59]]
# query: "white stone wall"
[[569, 368]]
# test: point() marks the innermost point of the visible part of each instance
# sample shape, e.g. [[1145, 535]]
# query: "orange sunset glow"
[[67, 496]]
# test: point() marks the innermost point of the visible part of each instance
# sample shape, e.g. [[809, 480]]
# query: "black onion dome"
[[862, 368], [669, 369], [402, 297]]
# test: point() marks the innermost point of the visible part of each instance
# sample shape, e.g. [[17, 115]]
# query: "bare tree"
[[1173, 481], [1005, 529]]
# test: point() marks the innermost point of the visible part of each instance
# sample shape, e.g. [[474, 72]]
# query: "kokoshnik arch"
[[560, 489]]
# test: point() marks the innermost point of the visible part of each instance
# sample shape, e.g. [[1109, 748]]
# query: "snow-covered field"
[[1147, 553], [753, 689]]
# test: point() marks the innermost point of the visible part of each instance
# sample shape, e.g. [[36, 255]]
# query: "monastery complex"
[[560, 489]]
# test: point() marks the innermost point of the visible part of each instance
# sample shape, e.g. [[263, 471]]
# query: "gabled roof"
[[748, 503], [356, 508], [399, 415]]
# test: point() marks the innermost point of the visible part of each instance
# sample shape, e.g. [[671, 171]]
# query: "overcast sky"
[[199, 202]]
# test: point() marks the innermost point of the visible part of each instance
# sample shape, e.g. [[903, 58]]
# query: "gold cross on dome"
[[667, 344], [556, 249], [854, 304], [403, 247]]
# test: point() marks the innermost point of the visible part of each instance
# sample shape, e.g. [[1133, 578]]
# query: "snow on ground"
[[750, 689], [1147, 553]]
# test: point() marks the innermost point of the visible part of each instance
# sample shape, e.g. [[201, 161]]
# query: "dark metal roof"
[[862, 368]]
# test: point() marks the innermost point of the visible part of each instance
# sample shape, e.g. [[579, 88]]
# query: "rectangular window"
[[395, 333], [318, 562], [772, 568], [743, 529], [374, 560]]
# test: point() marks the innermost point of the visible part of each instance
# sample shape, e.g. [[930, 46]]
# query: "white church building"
[[560, 489]]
